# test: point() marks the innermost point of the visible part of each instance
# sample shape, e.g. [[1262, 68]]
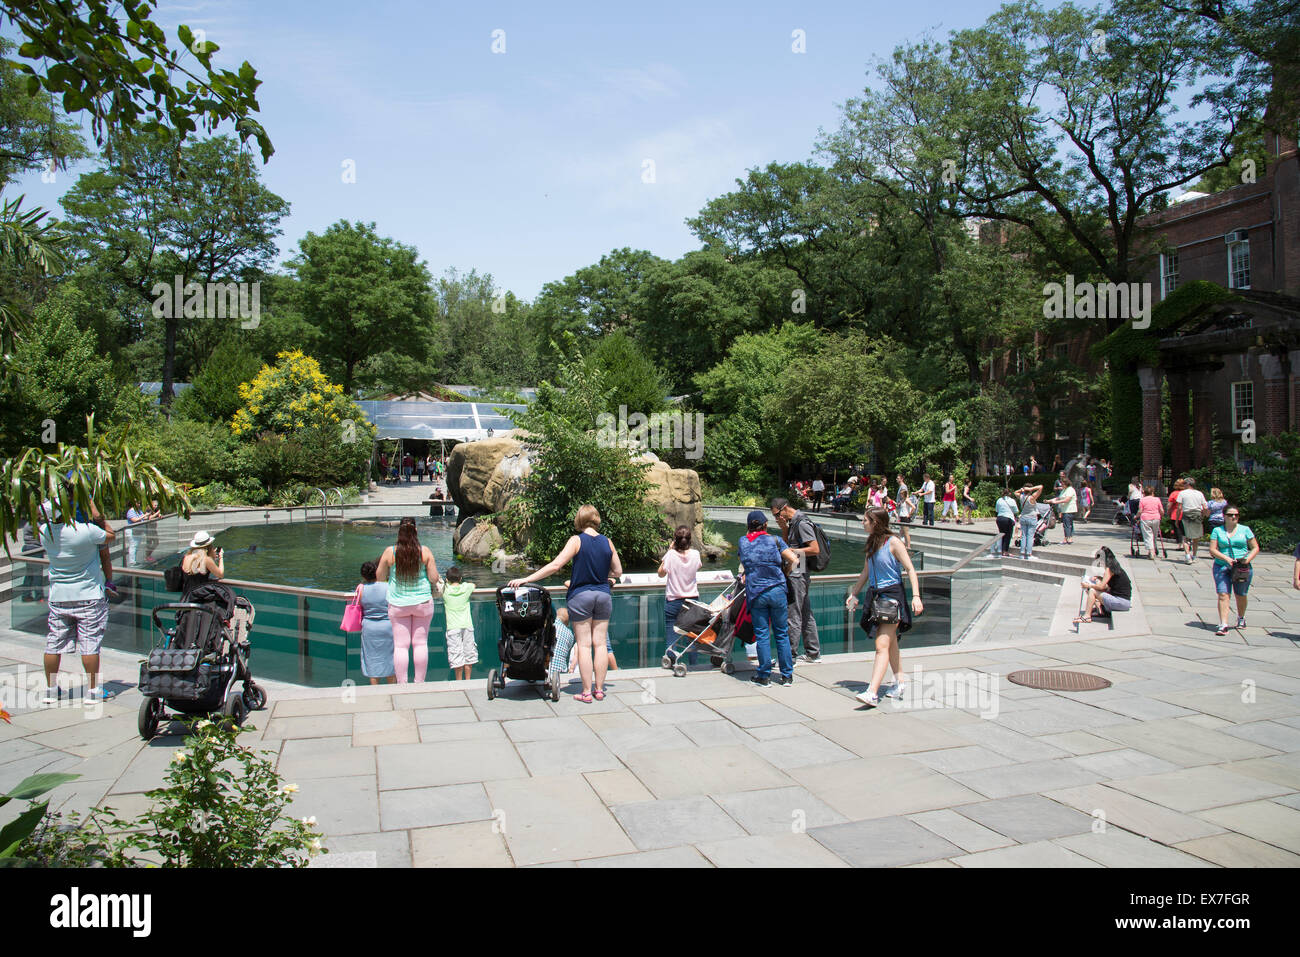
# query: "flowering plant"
[[224, 805]]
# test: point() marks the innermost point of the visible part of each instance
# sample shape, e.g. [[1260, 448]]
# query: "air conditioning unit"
[[1236, 236]]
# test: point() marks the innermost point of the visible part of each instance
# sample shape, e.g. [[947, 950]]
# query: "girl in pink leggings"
[[412, 574]]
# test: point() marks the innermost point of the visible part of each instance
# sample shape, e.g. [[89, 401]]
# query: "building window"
[[1058, 417], [1243, 403], [1239, 265], [1168, 273]]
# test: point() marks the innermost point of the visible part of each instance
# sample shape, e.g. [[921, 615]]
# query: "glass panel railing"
[[297, 639]]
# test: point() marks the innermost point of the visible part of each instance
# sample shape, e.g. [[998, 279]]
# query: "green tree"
[[631, 379], [571, 467], [112, 62], [487, 335], [595, 300], [60, 378], [155, 213], [366, 295], [213, 396], [742, 395]]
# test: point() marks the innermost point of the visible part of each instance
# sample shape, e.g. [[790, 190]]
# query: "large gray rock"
[[677, 494], [476, 540], [482, 476]]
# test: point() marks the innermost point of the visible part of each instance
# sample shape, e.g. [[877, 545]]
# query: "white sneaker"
[[866, 697], [896, 690], [97, 694], [50, 696]]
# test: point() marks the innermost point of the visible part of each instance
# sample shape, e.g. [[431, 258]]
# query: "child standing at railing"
[[462, 652]]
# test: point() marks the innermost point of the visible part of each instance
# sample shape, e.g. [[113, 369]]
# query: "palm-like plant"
[[26, 237], [107, 470]]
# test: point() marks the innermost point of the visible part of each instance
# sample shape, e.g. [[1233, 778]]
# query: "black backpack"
[[819, 561]]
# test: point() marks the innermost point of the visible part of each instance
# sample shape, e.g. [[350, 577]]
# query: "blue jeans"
[[1067, 519], [1027, 526], [769, 613]]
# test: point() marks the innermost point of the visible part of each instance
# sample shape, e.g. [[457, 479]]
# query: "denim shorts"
[[586, 605], [1223, 582]]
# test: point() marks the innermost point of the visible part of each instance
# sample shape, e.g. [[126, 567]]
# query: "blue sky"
[[529, 164]]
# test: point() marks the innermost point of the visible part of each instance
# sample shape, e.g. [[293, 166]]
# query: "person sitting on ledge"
[[1111, 591]]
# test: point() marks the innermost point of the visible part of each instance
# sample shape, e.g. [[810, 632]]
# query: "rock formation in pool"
[[483, 476]]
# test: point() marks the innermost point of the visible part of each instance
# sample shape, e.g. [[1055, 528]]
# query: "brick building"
[[1238, 362]]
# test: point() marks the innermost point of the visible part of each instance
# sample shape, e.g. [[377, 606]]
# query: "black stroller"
[[527, 640], [204, 652]]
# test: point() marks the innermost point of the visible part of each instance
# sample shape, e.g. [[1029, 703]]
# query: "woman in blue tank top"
[[595, 563], [887, 559]]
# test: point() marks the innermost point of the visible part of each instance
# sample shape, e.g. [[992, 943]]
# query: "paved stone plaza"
[[1190, 759]]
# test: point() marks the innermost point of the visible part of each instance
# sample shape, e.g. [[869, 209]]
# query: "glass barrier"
[[297, 639]]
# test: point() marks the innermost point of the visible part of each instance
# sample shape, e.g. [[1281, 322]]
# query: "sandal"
[[599, 694], [585, 698]]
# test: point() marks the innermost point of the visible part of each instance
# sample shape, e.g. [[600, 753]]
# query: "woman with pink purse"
[[368, 614]]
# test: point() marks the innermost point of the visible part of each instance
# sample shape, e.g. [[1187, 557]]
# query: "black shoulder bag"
[[881, 610]]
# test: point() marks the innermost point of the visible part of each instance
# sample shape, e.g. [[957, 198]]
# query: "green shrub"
[[223, 806]]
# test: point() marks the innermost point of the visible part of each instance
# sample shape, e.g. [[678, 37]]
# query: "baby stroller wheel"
[[679, 670], [716, 661], [254, 696], [234, 710], [668, 661], [150, 710], [492, 684], [728, 668], [555, 688]]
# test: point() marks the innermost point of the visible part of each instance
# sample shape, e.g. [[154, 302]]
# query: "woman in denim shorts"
[[595, 566], [1229, 544]]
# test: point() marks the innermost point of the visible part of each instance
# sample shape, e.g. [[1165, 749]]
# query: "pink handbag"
[[352, 613]]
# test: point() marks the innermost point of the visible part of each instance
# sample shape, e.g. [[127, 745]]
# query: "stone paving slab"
[[785, 850], [1237, 850], [685, 772], [344, 805], [449, 762], [306, 758], [655, 825], [778, 810], [881, 787], [1120, 809], [1116, 848], [1124, 763], [618, 787], [869, 735], [670, 858], [884, 842], [1182, 743], [961, 831], [1027, 818], [1196, 789], [460, 845], [1265, 821], [432, 807], [556, 819], [1039, 854], [1030, 777]]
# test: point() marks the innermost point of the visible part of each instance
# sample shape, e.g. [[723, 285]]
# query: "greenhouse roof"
[[449, 421]]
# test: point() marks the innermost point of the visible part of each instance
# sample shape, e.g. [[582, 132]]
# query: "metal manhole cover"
[[1049, 680]]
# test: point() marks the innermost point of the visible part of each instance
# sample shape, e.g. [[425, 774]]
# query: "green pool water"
[[328, 555]]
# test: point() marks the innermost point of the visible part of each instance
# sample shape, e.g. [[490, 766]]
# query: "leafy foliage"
[[223, 806], [112, 61], [570, 468]]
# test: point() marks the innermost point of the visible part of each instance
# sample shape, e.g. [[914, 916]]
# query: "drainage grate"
[[1058, 680]]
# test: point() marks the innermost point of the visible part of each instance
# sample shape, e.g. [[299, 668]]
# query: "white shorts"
[[461, 650]]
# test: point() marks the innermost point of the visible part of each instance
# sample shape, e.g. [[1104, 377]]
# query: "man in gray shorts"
[[78, 606]]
